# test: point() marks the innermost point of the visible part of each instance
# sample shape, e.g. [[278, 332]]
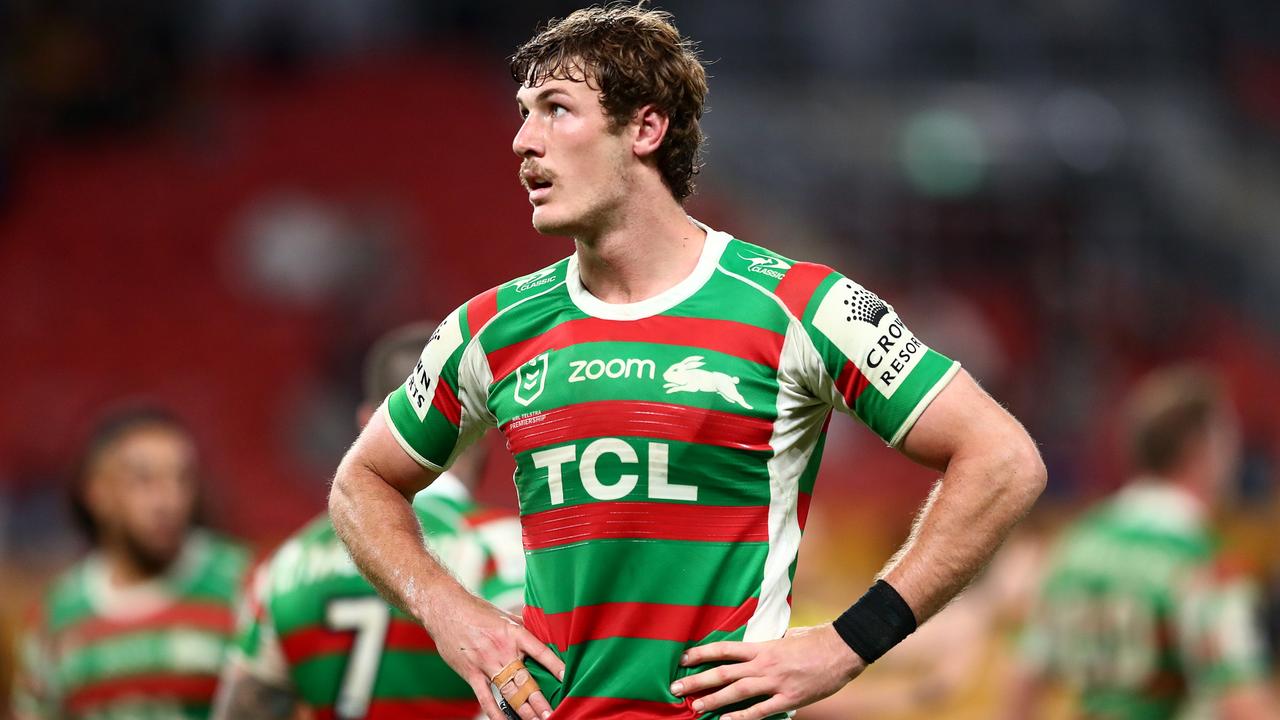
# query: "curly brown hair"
[[633, 56]]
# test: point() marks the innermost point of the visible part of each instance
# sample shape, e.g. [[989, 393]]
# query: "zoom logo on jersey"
[[688, 376], [870, 334], [531, 379], [773, 267], [584, 370]]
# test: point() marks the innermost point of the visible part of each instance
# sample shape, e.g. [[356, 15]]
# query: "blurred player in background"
[[314, 633], [1139, 615], [666, 391], [141, 626]]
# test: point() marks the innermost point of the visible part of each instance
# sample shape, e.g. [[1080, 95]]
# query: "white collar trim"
[[1163, 505], [148, 596], [712, 249]]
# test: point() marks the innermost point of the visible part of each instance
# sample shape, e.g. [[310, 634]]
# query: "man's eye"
[[558, 110]]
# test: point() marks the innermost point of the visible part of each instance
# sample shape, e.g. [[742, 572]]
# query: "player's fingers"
[[772, 706], [480, 686], [724, 650], [534, 648], [713, 678], [541, 707], [741, 690]]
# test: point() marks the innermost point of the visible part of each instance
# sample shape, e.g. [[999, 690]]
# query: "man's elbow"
[[1023, 471]]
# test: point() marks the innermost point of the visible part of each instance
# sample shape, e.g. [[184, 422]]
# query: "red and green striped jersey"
[[1138, 613], [315, 627], [151, 650], [665, 450]]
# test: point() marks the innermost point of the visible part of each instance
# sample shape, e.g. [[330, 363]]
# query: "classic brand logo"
[[542, 277], [531, 379], [688, 376], [773, 267]]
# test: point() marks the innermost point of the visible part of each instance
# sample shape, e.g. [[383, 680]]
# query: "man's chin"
[[153, 558], [547, 223]]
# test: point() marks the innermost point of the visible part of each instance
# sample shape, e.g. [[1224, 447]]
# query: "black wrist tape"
[[878, 621]]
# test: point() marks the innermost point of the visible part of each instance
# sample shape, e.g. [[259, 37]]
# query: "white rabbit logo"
[[688, 376]]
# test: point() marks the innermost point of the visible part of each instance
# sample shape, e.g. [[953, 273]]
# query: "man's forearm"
[[385, 540], [968, 514]]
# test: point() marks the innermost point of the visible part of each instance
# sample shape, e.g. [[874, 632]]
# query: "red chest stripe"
[[638, 418], [741, 340], [645, 521]]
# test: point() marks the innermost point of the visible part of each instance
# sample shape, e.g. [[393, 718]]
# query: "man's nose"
[[527, 142]]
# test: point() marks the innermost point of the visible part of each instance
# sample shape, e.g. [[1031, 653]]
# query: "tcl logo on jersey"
[[658, 487], [870, 334], [584, 370]]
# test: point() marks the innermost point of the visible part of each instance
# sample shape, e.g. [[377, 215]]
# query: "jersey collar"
[[149, 596], [1160, 504], [712, 249]]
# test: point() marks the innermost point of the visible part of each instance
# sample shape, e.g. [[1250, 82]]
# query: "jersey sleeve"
[[441, 408], [503, 582], [1220, 636], [257, 651], [35, 692], [868, 363]]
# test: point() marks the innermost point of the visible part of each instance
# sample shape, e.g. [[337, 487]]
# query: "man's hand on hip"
[[803, 667], [481, 642]]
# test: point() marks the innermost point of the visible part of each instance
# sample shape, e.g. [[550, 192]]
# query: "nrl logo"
[[773, 267], [531, 379], [688, 376], [542, 277]]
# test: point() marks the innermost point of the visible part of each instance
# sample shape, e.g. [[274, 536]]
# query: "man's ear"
[[651, 127]]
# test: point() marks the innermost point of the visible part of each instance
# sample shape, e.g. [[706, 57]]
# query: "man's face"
[[574, 165], [142, 493], [1223, 449]]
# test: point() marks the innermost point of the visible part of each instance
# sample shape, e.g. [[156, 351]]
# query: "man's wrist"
[[843, 658], [878, 621]]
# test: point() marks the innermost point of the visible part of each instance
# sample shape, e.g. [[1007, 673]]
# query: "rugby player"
[[1140, 615], [139, 627], [665, 391], [315, 634]]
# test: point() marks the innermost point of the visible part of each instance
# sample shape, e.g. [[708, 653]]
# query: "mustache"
[[530, 168]]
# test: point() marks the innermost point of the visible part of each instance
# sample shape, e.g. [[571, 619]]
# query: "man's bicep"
[[962, 414], [378, 450]]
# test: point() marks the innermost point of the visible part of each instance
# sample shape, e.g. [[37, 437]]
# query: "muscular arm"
[[992, 474], [241, 696], [371, 511], [370, 505]]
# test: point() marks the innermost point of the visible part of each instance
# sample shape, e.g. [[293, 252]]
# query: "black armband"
[[878, 621]]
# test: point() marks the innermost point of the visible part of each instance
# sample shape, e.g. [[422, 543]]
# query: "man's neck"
[[647, 251], [123, 570]]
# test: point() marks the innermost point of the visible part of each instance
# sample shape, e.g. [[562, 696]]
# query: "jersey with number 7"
[[314, 626]]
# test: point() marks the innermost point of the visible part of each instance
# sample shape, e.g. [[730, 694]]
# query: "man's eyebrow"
[[546, 93]]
